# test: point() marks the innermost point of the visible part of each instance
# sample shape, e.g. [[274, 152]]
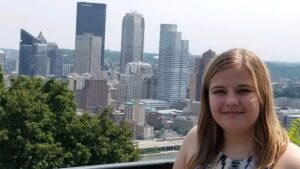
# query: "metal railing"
[[157, 164]]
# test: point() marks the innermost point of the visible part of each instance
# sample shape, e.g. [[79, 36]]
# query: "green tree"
[[294, 132], [39, 129]]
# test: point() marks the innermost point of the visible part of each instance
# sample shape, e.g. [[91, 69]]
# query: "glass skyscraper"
[[33, 59], [132, 44], [91, 19], [172, 65], [56, 60]]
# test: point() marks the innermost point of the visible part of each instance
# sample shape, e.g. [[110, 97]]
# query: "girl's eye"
[[218, 92], [243, 91]]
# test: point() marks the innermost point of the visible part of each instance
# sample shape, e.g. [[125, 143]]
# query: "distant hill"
[[11, 53], [278, 70], [112, 59], [284, 70]]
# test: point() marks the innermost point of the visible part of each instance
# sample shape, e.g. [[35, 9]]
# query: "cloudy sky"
[[270, 28]]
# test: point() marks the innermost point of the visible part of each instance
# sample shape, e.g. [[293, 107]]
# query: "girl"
[[237, 127]]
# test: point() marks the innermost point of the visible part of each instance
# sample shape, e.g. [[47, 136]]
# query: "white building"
[[77, 82], [135, 73], [67, 68], [144, 131], [135, 114], [135, 111], [152, 105], [286, 116], [141, 68]]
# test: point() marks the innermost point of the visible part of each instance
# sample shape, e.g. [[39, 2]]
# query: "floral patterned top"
[[224, 162]]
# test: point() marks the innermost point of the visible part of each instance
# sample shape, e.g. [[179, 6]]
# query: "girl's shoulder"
[[187, 149], [290, 158], [190, 143]]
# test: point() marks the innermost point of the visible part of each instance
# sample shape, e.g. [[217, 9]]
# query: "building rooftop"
[[170, 111]]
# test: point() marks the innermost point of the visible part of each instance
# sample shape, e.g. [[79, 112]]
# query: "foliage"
[[181, 131], [294, 132], [39, 129], [160, 133]]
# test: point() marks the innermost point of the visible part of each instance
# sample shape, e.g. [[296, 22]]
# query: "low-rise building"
[[184, 123], [286, 116]]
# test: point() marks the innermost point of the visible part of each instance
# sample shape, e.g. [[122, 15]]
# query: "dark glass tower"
[[91, 19], [33, 58]]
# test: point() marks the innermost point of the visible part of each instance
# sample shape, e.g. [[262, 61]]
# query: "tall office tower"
[[91, 19], [200, 67], [87, 55], [132, 44], [2, 61], [56, 63], [172, 65], [193, 78], [33, 59]]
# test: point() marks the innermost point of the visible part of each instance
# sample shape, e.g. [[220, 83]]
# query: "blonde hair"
[[270, 140]]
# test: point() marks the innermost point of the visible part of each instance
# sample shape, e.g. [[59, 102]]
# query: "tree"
[[294, 132], [39, 129]]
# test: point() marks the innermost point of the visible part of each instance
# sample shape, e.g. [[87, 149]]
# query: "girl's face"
[[233, 101]]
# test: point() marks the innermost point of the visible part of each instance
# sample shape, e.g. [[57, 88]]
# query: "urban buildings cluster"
[[149, 96]]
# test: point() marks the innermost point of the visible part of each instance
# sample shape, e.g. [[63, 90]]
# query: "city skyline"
[[269, 28]]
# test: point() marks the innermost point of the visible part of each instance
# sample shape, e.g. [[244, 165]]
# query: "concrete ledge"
[[157, 164]]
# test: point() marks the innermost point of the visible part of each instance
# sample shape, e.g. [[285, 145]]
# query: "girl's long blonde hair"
[[270, 140]]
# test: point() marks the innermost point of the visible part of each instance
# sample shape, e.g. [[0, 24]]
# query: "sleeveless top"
[[224, 162]]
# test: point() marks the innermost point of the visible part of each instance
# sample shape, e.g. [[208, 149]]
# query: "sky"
[[269, 28]]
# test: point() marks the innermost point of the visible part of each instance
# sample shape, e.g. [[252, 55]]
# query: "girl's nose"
[[232, 100]]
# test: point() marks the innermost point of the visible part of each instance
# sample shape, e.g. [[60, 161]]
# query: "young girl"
[[237, 127]]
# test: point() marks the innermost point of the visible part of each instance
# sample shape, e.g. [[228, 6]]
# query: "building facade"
[[67, 68], [287, 116], [93, 97], [87, 55], [33, 59], [91, 18], [172, 65], [132, 42], [56, 62], [200, 70]]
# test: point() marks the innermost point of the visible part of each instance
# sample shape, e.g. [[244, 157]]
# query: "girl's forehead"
[[235, 74]]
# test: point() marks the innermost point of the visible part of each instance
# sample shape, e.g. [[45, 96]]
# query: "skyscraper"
[[203, 63], [172, 65], [132, 44], [87, 54], [91, 19], [33, 59], [56, 62]]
